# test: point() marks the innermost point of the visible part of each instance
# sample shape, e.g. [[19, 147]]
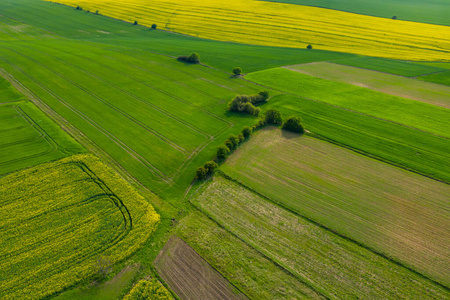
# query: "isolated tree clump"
[[246, 132], [201, 173], [237, 71], [309, 47], [194, 58], [293, 124], [394, 18], [135, 23], [79, 8], [273, 116], [154, 26], [206, 170], [245, 103]]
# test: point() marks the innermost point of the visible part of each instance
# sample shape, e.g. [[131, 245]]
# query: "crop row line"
[[105, 132]]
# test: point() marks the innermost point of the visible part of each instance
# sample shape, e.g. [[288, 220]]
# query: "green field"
[[245, 267], [432, 11], [400, 86], [404, 111], [441, 78], [396, 67], [332, 265], [28, 137], [62, 220], [371, 202]]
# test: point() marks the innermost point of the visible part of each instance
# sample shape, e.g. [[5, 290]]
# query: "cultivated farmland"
[[284, 25], [333, 266], [65, 221], [190, 276], [414, 114], [373, 203], [28, 137], [409, 88]]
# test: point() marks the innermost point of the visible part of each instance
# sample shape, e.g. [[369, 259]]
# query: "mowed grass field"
[[398, 213], [333, 266], [414, 114], [253, 273], [190, 276], [400, 86], [284, 25], [434, 11], [63, 221], [27, 136]]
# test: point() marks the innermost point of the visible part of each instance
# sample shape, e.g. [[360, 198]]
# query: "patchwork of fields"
[[368, 201], [284, 25], [62, 220]]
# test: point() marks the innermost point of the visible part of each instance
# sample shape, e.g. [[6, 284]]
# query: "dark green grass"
[[396, 67], [414, 114], [433, 11], [441, 78], [397, 144], [28, 137], [66, 22]]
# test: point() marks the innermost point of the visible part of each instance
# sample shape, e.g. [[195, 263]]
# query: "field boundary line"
[[376, 252]]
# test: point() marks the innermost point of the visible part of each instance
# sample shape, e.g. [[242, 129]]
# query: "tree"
[[222, 152], [273, 116], [237, 71], [194, 58], [241, 137], [264, 95], [248, 107], [234, 140], [229, 144], [246, 131], [154, 26], [135, 23], [394, 18], [294, 124], [256, 111], [96, 12], [211, 167], [309, 47], [201, 173]]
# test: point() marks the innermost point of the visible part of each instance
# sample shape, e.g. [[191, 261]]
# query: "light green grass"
[[334, 266], [434, 11], [28, 137], [255, 275], [61, 220], [398, 213], [8, 93], [408, 112], [407, 69], [386, 83]]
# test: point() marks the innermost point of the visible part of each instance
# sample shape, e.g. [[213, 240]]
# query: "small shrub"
[[96, 12], [201, 173], [256, 111], [154, 26], [273, 116], [241, 137], [135, 23], [294, 124], [264, 95], [182, 58], [237, 71], [211, 167], [246, 131], [309, 47], [79, 8], [249, 108], [223, 152], [394, 18], [229, 144]]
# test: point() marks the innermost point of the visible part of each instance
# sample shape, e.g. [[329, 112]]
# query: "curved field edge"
[[284, 25], [382, 207], [44, 268]]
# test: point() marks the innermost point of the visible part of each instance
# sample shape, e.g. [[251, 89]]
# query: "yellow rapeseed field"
[[283, 25], [65, 221]]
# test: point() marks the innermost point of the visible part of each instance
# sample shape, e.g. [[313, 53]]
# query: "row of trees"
[[206, 170]]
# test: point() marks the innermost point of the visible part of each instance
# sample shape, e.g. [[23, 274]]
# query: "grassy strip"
[[411, 113]]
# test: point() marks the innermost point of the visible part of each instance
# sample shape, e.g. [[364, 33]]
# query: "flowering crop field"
[[283, 25], [62, 222]]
